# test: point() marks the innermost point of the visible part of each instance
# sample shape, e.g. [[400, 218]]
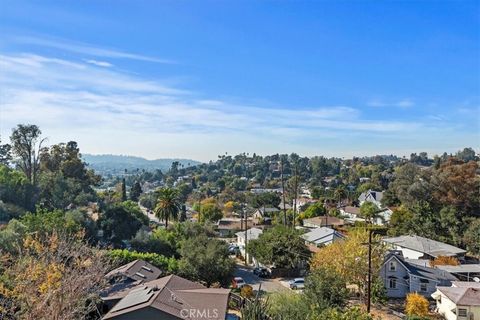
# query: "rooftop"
[[324, 221], [136, 270], [431, 247], [252, 233], [465, 296], [322, 233], [170, 295]]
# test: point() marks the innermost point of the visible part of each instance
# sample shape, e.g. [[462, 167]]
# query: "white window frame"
[[392, 264], [462, 315], [423, 287], [392, 281]]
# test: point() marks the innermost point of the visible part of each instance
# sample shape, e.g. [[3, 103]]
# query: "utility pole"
[[296, 194], [369, 283], [283, 193], [246, 233]]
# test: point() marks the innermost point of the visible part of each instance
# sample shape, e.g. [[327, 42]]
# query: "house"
[[416, 247], [371, 196], [350, 213], [228, 226], [323, 221], [123, 278], [264, 215], [401, 277], [171, 297], [301, 202], [322, 236], [252, 234], [459, 301]]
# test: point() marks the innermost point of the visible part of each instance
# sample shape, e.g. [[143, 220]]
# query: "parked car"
[[238, 283], [297, 283], [261, 272], [233, 249]]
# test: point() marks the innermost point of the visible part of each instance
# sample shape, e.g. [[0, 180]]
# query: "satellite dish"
[[476, 279]]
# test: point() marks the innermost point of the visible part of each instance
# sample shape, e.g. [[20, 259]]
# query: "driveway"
[[267, 285]]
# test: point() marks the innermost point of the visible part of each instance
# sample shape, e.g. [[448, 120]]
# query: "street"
[[268, 285]]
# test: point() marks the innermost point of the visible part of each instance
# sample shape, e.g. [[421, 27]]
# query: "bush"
[[246, 291], [121, 257], [416, 305]]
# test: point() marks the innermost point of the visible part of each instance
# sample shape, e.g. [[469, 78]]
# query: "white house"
[[371, 196], [460, 301], [252, 234], [416, 247], [322, 236]]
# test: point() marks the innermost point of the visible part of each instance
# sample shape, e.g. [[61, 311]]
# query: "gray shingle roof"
[[321, 235], [425, 245], [171, 295], [252, 233], [137, 270], [463, 296]]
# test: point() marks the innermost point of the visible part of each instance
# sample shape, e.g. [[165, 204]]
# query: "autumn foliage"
[[55, 277], [416, 305], [444, 261], [349, 258]]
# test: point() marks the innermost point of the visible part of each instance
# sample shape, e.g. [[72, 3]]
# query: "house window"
[[423, 287], [462, 312], [392, 266], [392, 284]]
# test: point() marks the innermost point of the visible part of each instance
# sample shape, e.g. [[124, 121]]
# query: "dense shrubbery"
[[123, 256]]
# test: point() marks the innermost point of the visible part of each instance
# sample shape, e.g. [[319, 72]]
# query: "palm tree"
[[370, 212], [168, 205]]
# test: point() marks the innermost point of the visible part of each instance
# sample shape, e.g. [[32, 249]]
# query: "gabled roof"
[[171, 295], [322, 234], [136, 270], [428, 246], [464, 296], [374, 195], [252, 233], [433, 274]]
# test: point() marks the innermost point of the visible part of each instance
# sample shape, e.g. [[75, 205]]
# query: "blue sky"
[[199, 78]]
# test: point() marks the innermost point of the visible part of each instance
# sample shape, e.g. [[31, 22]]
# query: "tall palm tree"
[[168, 204]]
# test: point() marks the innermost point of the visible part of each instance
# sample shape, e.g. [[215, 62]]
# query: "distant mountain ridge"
[[109, 163]]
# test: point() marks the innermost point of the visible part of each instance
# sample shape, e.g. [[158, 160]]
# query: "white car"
[[238, 282], [297, 283]]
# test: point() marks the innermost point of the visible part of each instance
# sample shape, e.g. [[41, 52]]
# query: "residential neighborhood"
[[239, 160]]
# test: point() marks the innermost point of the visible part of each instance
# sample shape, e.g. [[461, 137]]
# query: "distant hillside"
[[109, 163]]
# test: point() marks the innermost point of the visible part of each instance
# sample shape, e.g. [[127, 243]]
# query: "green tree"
[[314, 210], [206, 260], [287, 305], [324, 288], [369, 211], [168, 205], [472, 237], [280, 246], [121, 222], [210, 212], [5, 154], [26, 146], [135, 191]]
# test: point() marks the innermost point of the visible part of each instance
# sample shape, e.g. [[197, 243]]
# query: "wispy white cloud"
[[403, 103], [109, 111], [86, 49], [99, 63]]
